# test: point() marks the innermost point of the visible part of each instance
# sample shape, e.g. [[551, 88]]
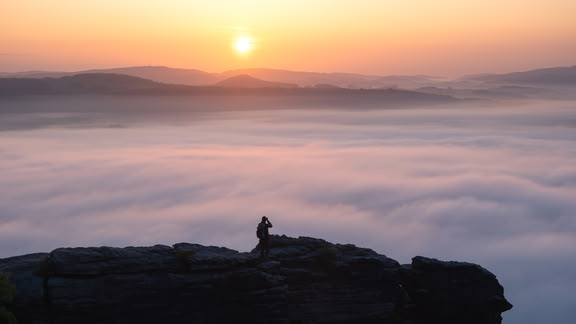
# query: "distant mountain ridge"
[[549, 83], [81, 83], [200, 78], [547, 76], [555, 76], [161, 74], [247, 81], [247, 87]]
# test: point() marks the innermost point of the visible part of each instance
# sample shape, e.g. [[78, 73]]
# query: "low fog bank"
[[116, 111], [491, 184]]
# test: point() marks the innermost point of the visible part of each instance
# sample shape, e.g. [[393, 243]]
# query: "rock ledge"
[[305, 280]]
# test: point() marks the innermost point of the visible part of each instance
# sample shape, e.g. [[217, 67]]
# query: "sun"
[[243, 44]]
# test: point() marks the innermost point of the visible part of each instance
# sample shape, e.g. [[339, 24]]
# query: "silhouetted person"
[[263, 235]]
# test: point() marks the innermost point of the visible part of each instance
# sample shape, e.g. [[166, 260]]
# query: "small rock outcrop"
[[305, 280]]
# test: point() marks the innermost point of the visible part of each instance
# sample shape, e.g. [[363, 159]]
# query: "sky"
[[488, 184], [434, 37]]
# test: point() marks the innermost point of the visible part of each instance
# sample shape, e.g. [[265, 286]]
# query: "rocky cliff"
[[305, 280]]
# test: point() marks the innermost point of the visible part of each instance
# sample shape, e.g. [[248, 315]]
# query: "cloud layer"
[[494, 186]]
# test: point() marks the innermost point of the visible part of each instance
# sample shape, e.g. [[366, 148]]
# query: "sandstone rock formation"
[[305, 280]]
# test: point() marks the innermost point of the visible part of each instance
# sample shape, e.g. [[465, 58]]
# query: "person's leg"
[[261, 246], [267, 247]]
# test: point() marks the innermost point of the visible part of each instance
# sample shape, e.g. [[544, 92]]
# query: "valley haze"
[[479, 168]]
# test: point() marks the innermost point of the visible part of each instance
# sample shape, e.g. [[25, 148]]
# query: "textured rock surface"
[[305, 280]]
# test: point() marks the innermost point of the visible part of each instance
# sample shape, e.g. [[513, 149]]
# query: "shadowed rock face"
[[305, 280]]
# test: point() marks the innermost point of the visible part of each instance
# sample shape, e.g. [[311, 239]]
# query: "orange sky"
[[438, 37]]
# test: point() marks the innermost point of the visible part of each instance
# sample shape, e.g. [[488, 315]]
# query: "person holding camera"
[[263, 236]]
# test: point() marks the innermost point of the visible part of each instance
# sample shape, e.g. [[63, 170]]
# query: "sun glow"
[[243, 44]]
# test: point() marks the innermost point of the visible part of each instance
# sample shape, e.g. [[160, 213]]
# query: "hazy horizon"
[[89, 67], [445, 38]]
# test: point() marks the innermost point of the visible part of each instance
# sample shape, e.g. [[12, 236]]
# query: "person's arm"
[[269, 224]]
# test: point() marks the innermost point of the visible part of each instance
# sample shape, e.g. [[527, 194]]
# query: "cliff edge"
[[305, 280]]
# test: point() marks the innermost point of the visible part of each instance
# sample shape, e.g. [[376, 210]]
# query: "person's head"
[[264, 219]]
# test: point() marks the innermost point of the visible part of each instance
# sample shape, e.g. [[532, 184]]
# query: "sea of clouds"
[[490, 184]]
